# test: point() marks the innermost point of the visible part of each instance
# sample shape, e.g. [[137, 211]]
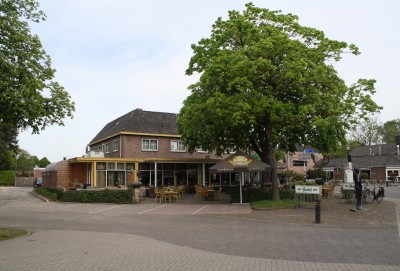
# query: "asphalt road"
[[218, 231]]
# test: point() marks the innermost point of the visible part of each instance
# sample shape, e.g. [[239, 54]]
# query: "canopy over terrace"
[[239, 162]]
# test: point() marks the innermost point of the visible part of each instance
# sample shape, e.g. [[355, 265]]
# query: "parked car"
[[38, 182]]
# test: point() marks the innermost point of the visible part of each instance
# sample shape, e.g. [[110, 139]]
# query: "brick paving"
[[80, 250]]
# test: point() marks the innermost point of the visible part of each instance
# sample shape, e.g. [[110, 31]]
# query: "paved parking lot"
[[203, 236]]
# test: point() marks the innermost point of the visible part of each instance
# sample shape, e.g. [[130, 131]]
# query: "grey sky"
[[113, 56]]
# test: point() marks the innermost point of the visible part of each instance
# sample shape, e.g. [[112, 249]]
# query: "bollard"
[[318, 210]]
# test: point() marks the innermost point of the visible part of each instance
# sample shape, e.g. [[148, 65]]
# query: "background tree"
[[8, 146], [25, 162], [367, 132], [267, 82], [28, 95], [390, 129], [44, 162]]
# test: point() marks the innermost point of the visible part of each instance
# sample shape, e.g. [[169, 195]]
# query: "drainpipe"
[[120, 146]]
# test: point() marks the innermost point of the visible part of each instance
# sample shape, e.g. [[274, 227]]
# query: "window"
[[115, 145], [149, 145], [106, 148], [177, 145]]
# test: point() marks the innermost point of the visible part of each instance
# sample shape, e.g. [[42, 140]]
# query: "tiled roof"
[[140, 121], [367, 161], [375, 150]]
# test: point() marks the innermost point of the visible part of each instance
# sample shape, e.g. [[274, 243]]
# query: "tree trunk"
[[272, 161]]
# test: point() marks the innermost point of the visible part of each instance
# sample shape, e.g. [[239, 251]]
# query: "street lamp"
[[348, 155]]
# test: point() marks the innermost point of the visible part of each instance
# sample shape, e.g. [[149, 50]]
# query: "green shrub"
[[7, 178], [46, 192], [100, 196], [87, 196], [258, 194]]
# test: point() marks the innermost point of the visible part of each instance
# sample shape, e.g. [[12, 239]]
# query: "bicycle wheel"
[[369, 197], [349, 196], [379, 198]]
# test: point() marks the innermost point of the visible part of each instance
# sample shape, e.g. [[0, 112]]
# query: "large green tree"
[[28, 95], [268, 83]]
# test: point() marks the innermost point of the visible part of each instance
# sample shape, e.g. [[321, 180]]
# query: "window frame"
[[179, 143], [149, 144], [115, 145]]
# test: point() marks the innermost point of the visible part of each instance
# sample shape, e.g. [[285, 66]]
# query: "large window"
[[149, 145], [177, 145]]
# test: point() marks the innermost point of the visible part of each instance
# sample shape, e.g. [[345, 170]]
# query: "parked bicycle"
[[370, 195]]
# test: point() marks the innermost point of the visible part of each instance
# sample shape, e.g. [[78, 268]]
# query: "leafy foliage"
[[367, 132], [87, 196], [267, 81], [7, 178], [28, 96], [101, 196], [390, 129], [257, 194], [8, 146]]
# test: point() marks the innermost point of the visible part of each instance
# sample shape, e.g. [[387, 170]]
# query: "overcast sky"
[[113, 56]]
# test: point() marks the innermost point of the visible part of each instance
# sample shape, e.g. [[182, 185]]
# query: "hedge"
[[50, 193], [7, 178], [99, 196], [87, 196], [257, 194]]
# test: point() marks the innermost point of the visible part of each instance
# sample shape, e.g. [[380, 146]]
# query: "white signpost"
[[308, 189], [311, 190]]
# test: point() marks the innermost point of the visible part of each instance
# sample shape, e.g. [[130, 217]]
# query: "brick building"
[[141, 145], [376, 162]]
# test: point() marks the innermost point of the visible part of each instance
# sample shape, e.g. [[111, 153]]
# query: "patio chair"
[[218, 192], [199, 192]]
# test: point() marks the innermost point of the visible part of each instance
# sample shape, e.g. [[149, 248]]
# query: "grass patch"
[[285, 203], [7, 233]]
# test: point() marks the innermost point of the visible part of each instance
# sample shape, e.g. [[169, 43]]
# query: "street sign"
[[348, 186], [308, 189]]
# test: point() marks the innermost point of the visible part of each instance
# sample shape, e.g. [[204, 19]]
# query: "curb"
[[40, 197]]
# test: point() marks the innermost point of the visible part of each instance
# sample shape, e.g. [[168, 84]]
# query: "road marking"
[[148, 210], [105, 209], [64, 207], [199, 210]]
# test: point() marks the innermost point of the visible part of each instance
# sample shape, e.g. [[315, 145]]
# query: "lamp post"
[[16, 162], [348, 155]]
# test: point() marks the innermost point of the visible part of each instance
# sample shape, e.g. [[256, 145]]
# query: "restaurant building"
[[140, 145]]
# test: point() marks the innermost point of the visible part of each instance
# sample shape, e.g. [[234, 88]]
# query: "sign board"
[[297, 163], [348, 186], [308, 189]]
